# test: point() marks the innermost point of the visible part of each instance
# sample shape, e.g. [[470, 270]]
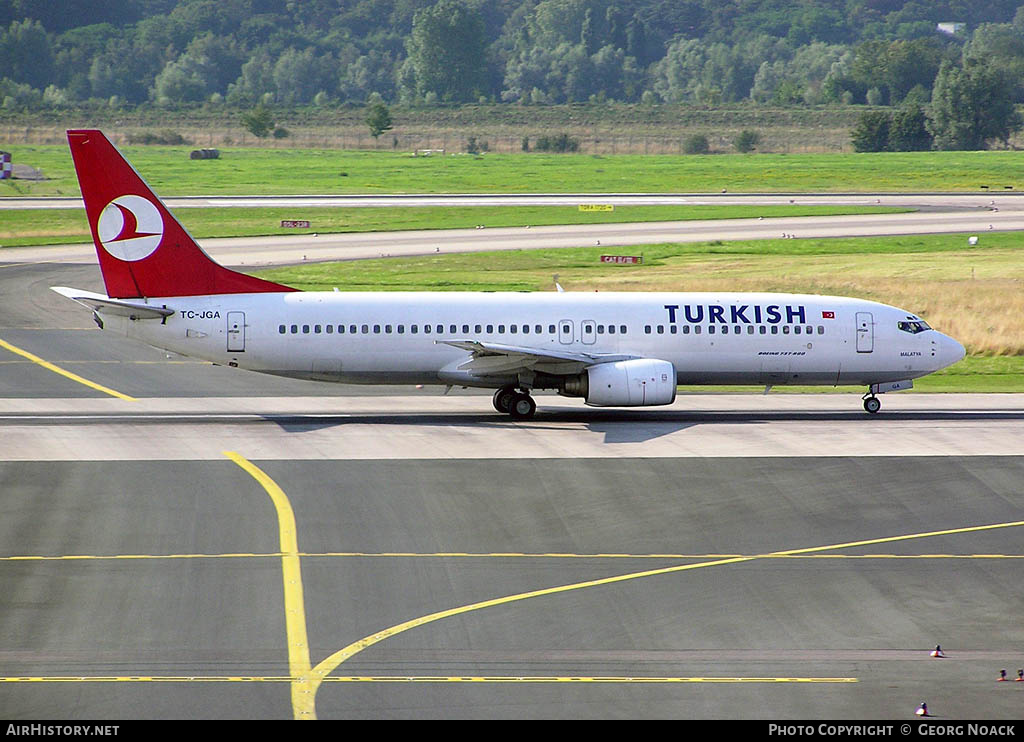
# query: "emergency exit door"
[[865, 332]]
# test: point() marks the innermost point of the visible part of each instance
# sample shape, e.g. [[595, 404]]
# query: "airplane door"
[[565, 331], [587, 331], [865, 332], [236, 332]]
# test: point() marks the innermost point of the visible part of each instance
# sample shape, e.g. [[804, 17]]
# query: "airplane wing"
[[488, 359], [102, 303]]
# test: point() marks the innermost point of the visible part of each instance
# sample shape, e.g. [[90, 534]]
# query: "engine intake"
[[638, 383]]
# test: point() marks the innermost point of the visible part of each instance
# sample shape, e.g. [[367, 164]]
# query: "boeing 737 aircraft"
[[610, 349]]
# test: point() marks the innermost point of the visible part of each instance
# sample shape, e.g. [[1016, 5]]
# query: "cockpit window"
[[913, 327]]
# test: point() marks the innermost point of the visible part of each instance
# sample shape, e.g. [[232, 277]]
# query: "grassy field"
[[975, 294], [283, 171], [49, 227]]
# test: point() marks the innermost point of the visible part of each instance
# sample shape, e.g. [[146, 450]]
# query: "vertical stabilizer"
[[143, 250]]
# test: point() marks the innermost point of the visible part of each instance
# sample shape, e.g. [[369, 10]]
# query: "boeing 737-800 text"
[[610, 349]]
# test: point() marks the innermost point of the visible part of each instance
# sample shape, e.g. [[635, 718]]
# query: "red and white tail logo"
[[143, 250]]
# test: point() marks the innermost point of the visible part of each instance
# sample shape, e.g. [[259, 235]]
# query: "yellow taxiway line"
[[409, 679], [303, 693], [444, 555], [324, 668], [67, 374]]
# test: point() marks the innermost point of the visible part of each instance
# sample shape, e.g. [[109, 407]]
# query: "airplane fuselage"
[[400, 338]]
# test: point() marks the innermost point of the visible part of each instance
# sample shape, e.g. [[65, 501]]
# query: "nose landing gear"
[[872, 404]]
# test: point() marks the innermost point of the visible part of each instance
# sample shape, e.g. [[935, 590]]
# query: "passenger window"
[[673, 329], [661, 329], [711, 329], [647, 329], [280, 329], [440, 329], [696, 330], [414, 329], [426, 329], [501, 329], [763, 330], [526, 329], [465, 329], [785, 329], [821, 329], [387, 329], [316, 329], [341, 329], [330, 329], [305, 329], [401, 329], [611, 329], [477, 329], [686, 329], [376, 329], [796, 330], [725, 329], [600, 329], [352, 329], [538, 329], [452, 329], [750, 329], [737, 330], [775, 329], [809, 330], [622, 329], [551, 329], [295, 329], [566, 329], [490, 329], [366, 329], [513, 329]]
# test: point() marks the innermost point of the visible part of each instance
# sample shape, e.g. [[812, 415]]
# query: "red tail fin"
[[142, 248]]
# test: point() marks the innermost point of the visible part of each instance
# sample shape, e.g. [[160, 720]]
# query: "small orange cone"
[[1020, 676], [922, 710], [1002, 676], [937, 652]]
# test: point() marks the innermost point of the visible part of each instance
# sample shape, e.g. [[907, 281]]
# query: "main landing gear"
[[872, 403], [518, 404]]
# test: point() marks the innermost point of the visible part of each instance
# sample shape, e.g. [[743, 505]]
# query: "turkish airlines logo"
[[130, 228]]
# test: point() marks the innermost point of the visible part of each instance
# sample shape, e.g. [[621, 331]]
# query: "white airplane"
[[610, 349]]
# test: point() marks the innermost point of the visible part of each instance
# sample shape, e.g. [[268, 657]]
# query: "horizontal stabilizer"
[[102, 303]]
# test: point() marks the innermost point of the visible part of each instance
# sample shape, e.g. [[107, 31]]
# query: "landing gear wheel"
[[522, 407], [872, 404], [503, 399]]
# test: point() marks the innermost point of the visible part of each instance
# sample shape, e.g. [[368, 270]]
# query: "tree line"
[[246, 53]]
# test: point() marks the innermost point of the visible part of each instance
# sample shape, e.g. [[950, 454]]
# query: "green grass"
[[48, 227], [286, 171]]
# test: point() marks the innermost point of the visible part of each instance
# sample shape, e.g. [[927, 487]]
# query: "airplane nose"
[[950, 351]]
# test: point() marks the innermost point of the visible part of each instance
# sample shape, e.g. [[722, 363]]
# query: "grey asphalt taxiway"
[[731, 556]]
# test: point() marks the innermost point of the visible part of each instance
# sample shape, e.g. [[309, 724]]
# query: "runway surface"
[[937, 214], [217, 544]]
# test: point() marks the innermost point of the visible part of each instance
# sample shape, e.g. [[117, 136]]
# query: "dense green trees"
[[972, 105], [247, 52], [447, 52]]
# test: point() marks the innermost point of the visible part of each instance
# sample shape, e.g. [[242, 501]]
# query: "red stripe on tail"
[[143, 250]]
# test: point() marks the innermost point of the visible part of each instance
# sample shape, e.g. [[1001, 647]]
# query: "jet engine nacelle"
[[636, 383]]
